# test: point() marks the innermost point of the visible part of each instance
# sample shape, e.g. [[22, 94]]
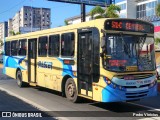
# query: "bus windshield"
[[129, 53]]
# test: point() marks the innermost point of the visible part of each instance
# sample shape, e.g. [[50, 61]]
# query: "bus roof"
[[92, 23]]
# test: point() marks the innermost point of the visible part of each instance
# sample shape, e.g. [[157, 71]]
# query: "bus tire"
[[71, 90], [20, 82]]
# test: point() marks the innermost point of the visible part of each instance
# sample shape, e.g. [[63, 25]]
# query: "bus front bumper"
[[110, 94]]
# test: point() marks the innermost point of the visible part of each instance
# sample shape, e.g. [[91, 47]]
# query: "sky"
[[59, 11]]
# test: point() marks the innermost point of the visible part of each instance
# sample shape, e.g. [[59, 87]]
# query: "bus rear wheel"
[[70, 90], [20, 82]]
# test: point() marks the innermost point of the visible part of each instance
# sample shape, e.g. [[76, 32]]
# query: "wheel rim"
[[19, 79], [71, 90]]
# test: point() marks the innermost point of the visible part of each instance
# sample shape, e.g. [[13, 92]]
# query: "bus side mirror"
[[103, 42]]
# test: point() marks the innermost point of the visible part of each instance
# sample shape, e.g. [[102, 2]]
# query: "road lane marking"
[[154, 118], [152, 108], [64, 118], [41, 108]]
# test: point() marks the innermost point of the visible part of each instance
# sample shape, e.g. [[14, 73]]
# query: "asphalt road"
[[48, 100]]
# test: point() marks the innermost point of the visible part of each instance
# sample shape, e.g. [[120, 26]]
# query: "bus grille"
[[136, 87], [136, 95], [137, 76]]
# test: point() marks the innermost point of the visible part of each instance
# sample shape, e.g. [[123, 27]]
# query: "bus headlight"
[[107, 80], [113, 85], [152, 84]]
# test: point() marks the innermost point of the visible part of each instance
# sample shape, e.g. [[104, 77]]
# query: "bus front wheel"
[[20, 83], [71, 90]]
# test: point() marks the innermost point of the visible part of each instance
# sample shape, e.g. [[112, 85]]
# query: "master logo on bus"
[[43, 64]]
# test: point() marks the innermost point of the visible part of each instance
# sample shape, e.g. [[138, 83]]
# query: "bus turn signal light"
[[75, 73], [107, 80], [96, 88]]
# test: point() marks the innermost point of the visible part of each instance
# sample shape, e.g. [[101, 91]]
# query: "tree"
[[11, 32], [157, 40], [1, 43], [66, 22], [157, 9], [110, 12], [97, 11], [18, 33]]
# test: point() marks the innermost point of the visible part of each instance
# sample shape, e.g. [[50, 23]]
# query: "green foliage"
[[18, 33], [157, 9], [66, 22], [98, 17], [1, 43], [110, 12], [13, 33], [97, 10], [157, 40]]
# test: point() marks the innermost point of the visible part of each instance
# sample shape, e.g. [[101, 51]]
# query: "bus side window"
[[67, 44], [54, 46], [7, 48], [14, 47], [22, 47], [43, 46]]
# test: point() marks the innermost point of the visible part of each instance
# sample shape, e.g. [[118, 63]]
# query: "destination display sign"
[[129, 25], [88, 2]]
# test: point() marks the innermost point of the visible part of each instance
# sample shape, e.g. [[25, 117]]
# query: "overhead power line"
[[12, 7]]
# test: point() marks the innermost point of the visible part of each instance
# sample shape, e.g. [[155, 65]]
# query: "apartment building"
[[3, 30], [128, 10], [3, 33], [145, 10], [140, 9], [30, 19]]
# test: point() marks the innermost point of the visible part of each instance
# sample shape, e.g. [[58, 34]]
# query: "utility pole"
[[41, 18], [31, 16], [83, 4], [83, 12]]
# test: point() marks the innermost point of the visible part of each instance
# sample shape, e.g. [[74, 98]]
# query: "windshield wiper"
[[141, 41], [126, 47]]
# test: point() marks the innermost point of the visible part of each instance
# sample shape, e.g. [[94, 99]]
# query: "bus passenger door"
[[85, 52], [32, 58]]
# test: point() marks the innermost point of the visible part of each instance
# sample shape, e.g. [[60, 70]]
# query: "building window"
[[146, 10], [123, 6], [22, 47], [7, 48], [54, 45], [42, 46], [14, 47], [67, 44], [156, 23]]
